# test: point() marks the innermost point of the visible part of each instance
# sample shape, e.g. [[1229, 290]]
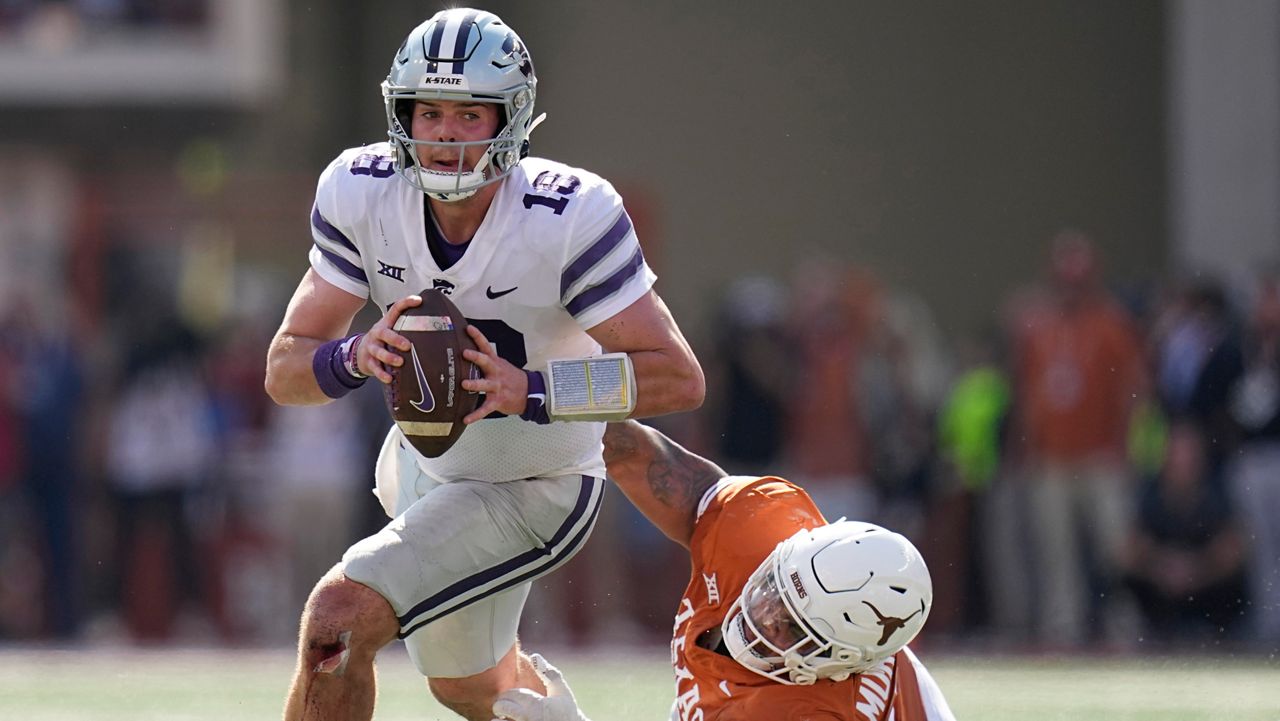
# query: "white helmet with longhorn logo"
[[829, 602]]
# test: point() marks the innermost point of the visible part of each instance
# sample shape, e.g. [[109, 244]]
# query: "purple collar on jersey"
[[444, 252]]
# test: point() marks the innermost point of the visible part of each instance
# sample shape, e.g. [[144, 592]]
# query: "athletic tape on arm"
[[599, 388]]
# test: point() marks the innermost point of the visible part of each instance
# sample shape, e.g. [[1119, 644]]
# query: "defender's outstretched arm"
[[662, 479]]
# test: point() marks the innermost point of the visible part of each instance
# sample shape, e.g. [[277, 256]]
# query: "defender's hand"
[[374, 356], [505, 387], [521, 704]]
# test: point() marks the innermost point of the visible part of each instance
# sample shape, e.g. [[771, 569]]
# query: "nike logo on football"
[[498, 294], [426, 401]]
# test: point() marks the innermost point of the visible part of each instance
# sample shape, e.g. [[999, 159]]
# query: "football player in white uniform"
[[543, 261]]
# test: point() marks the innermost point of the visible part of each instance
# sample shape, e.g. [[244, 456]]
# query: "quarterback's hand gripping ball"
[[425, 395], [521, 704]]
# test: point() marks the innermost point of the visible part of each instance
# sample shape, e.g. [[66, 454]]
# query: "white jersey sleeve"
[[605, 270], [562, 237], [336, 217]]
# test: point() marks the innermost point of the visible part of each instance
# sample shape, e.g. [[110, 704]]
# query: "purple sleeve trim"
[[331, 374], [327, 230], [596, 253], [596, 293], [352, 270], [535, 408]]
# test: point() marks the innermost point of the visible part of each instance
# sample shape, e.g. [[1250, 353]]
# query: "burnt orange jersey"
[[740, 520]]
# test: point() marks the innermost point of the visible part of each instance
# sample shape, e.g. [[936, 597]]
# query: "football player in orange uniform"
[[786, 617]]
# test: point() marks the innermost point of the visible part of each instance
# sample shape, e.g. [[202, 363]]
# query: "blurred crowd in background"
[[1098, 469], [34, 16]]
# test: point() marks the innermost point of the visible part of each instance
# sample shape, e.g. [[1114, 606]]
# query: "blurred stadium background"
[[871, 220]]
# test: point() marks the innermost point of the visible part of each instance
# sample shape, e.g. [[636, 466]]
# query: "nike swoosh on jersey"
[[427, 402], [494, 295]]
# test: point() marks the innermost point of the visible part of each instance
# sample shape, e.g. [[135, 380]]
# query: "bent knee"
[[341, 611]]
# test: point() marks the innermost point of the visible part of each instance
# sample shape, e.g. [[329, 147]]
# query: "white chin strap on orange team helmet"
[[829, 602]]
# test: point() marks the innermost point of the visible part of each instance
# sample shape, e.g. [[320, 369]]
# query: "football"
[[425, 396]]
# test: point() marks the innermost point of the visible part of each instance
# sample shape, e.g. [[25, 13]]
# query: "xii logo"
[[393, 272]]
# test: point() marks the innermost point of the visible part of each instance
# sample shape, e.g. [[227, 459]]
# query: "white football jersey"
[[555, 255]]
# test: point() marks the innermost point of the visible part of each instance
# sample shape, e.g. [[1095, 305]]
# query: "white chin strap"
[[450, 187], [445, 186], [536, 122]]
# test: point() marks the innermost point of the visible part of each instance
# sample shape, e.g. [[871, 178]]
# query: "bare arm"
[[320, 312], [668, 377], [662, 480]]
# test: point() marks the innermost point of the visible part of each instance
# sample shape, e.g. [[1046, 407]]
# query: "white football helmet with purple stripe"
[[828, 603], [463, 55]]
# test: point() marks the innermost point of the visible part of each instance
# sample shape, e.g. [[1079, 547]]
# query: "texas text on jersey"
[[740, 521]]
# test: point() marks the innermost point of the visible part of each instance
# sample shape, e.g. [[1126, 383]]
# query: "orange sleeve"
[[746, 518]]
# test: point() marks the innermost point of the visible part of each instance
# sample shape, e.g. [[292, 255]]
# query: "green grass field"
[[203, 685]]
